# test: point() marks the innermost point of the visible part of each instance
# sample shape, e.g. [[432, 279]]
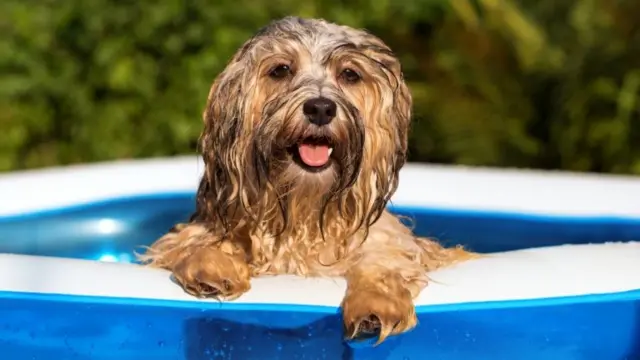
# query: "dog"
[[305, 132]]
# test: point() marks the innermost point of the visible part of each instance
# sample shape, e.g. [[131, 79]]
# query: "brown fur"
[[259, 212]]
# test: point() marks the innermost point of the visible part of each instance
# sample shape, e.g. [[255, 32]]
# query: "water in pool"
[[112, 230]]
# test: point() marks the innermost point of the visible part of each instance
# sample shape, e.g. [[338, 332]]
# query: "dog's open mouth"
[[315, 152]]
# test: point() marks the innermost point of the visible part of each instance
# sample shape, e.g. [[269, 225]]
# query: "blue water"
[[41, 326], [116, 228]]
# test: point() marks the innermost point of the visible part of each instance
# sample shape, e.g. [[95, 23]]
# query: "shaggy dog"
[[305, 132]]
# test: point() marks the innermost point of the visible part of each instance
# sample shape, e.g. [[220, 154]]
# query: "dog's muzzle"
[[315, 151]]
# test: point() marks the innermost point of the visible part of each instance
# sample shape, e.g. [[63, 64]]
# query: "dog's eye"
[[280, 72], [350, 76]]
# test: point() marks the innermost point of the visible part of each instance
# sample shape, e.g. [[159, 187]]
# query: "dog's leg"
[[378, 301], [390, 270], [202, 264]]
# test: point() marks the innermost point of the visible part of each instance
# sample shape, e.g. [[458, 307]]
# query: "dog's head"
[[306, 114]]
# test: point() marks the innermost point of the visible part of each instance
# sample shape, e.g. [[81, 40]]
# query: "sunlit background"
[[543, 84], [549, 84]]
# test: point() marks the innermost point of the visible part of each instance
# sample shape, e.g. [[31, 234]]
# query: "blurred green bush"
[[549, 84]]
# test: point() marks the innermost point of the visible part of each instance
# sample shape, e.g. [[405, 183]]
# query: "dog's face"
[[311, 108]]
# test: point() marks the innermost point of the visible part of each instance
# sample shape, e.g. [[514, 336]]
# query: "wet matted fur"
[[263, 210]]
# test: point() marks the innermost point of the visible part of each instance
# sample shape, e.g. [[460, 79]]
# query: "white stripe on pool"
[[519, 275]]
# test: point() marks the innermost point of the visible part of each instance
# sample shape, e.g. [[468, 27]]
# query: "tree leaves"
[[502, 83]]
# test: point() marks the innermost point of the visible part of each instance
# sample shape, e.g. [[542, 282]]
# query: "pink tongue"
[[314, 155]]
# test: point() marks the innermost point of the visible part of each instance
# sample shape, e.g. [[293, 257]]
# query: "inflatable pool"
[[561, 278]]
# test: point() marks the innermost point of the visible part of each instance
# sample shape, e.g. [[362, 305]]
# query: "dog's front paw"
[[211, 272], [371, 312]]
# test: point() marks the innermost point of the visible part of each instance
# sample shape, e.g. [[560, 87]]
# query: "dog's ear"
[[399, 109], [223, 145], [400, 114], [392, 115], [391, 66]]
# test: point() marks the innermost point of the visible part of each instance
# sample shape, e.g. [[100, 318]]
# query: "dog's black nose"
[[319, 111]]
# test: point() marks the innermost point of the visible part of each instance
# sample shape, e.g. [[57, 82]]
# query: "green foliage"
[[544, 84]]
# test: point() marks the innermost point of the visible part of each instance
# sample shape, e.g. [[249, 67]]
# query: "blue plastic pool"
[[49, 326]]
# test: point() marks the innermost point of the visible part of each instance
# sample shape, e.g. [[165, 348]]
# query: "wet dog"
[[305, 132]]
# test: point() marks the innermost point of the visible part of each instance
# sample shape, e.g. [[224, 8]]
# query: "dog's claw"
[[370, 314], [203, 290], [213, 273], [366, 328]]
